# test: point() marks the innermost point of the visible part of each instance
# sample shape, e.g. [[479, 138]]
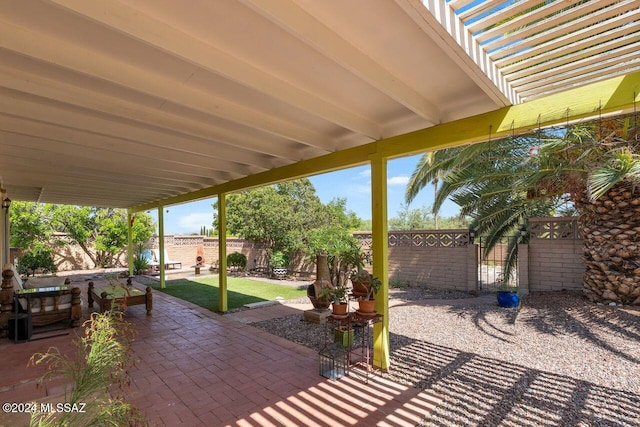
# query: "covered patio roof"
[[147, 103]]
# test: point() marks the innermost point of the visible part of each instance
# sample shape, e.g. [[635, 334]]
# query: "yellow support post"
[[379, 247], [161, 244], [222, 253], [130, 218]]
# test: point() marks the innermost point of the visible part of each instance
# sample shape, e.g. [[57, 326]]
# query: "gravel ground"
[[557, 360]]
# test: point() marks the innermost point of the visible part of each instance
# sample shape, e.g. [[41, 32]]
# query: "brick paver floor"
[[198, 368]]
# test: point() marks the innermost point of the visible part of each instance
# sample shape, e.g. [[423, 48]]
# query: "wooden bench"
[[45, 305]]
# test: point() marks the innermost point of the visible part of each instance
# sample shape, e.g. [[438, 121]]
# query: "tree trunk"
[[611, 233]]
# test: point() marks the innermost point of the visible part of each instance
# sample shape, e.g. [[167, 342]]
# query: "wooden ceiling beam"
[[213, 58], [613, 96]]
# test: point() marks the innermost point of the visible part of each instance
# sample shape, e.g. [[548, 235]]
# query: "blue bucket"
[[508, 299]]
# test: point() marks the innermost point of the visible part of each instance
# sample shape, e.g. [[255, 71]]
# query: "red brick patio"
[[198, 368]]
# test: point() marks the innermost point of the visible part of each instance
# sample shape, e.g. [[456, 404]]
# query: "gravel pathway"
[[558, 360]]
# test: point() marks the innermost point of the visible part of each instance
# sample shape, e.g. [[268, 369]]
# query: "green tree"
[[283, 216], [423, 218], [412, 219], [38, 258], [30, 223], [100, 232], [339, 215], [342, 249]]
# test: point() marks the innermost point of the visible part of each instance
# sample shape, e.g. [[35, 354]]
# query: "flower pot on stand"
[[361, 283], [339, 310], [366, 306]]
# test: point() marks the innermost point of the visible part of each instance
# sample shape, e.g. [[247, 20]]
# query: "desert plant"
[[326, 294], [140, 262], [342, 250], [506, 287], [397, 282], [340, 295], [337, 295], [374, 287], [98, 375]]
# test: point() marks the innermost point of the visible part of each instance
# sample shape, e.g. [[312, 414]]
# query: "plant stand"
[[357, 354]]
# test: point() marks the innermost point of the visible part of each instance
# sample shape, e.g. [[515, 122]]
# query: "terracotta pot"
[[367, 306], [360, 288], [339, 309]]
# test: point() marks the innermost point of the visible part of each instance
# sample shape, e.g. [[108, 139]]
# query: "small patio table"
[[106, 296]]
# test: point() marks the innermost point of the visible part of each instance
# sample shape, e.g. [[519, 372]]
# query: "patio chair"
[[148, 256], [167, 262]]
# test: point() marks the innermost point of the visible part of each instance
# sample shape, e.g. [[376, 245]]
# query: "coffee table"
[[106, 296]]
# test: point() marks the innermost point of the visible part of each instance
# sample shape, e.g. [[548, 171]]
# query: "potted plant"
[[508, 296], [360, 280], [343, 333], [279, 263], [367, 303], [339, 304]]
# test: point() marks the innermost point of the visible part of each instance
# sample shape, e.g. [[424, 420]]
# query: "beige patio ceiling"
[[131, 103]]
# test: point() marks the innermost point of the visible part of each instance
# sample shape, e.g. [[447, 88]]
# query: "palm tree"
[[418, 179], [481, 179], [594, 166], [598, 167]]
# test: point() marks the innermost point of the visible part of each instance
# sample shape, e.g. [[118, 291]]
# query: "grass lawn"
[[240, 291]]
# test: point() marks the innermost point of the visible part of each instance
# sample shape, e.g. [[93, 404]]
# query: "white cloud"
[[398, 180], [193, 221], [358, 190], [365, 173]]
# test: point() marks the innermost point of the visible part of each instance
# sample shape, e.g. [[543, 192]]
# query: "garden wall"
[[179, 248], [437, 259], [554, 255]]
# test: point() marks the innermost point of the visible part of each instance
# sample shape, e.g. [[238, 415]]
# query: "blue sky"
[[354, 184]]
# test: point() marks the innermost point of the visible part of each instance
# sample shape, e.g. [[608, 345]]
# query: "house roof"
[[136, 103]]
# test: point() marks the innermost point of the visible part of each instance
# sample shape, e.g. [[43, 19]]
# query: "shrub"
[[237, 260], [396, 282], [38, 258], [140, 263], [278, 259]]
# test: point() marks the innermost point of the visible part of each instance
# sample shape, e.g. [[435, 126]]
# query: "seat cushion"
[[16, 281], [43, 282], [63, 303]]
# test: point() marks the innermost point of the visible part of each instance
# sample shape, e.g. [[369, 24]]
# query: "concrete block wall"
[[555, 264], [442, 268], [551, 261], [185, 249]]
